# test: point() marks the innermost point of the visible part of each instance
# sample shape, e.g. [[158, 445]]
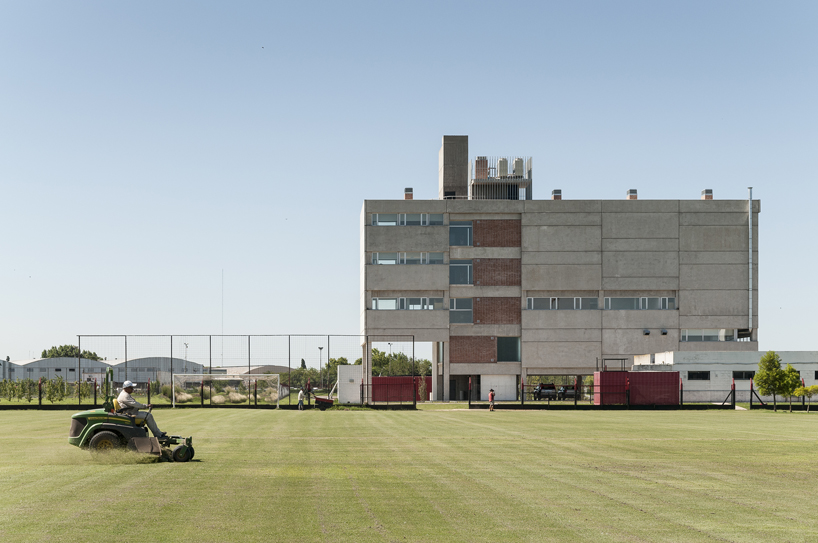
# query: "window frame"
[[462, 263], [453, 309], [699, 375], [462, 224]]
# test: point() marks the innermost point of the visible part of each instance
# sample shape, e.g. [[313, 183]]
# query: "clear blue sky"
[[147, 146]]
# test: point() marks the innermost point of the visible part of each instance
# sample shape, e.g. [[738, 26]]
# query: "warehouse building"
[[505, 287], [138, 370]]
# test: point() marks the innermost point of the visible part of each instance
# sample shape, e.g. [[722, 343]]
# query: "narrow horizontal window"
[[744, 375], [640, 303], [698, 376], [708, 335], [436, 219], [384, 219]]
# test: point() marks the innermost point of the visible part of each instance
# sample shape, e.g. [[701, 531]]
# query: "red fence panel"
[[398, 389], [609, 387], [654, 387], [644, 387]]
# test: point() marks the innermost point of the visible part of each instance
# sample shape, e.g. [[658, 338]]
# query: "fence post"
[[522, 390], [469, 391], [576, 392], [255, 392], [733, 394], [751, 393], [201, 394], [95, 392], [627, 392], [415, 391], [803, 398], [681, 391], [40, 391]]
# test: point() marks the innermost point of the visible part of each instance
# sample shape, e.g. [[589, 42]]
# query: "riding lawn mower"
[[106, 429]]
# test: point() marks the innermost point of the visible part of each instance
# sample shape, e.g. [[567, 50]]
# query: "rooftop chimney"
[[556, 194], [407, 193], [707, 194], [631, 194]]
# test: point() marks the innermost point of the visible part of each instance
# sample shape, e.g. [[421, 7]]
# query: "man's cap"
[[128, 384]]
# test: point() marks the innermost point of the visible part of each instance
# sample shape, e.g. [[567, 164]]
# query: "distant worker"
[[300, 399], [491, 399], [129, 406]]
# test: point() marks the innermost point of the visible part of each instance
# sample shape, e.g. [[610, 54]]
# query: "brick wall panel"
[[497, 233], [497, 272], [473, 349], [497, 311]]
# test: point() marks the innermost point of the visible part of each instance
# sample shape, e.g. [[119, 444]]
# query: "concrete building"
[[507, 287], [708, 375]]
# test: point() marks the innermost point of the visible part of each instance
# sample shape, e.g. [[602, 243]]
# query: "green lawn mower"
[[104, 430]]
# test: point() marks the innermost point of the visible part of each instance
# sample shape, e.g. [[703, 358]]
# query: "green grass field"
[[432, 475]]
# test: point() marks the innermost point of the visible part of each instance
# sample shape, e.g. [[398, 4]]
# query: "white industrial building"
[[707, 376], [138, 370]]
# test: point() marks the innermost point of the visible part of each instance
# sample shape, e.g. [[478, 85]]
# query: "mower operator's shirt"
[[127, 404]]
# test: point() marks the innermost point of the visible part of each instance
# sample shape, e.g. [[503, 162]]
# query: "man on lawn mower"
[[129, 406]]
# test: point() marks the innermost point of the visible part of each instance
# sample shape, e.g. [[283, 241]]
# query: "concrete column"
[[446, 372]]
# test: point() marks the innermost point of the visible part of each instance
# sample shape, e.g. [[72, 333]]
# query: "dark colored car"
[[545, 391], [566, 393]]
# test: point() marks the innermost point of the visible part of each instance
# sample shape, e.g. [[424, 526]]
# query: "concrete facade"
[[691, 256]]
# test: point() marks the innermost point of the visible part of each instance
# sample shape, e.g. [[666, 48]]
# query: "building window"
[[386, 304], [562, 303], [384, 219], [508, 349], [43, 370], [57, 369], [460, 233], [640, 303], [708, 335], [743, 375], [698, 376], [407, 258], [391, 304], [30, 370], [407, 219], [460, 311], [460, 272]]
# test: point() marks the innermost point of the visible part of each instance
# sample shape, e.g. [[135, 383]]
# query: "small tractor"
[[103, 430]]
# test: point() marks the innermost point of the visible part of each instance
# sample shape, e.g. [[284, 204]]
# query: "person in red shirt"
[[491, 399]]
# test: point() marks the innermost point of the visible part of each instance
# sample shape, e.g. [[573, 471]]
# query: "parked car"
[[545, 391], [566, 393]]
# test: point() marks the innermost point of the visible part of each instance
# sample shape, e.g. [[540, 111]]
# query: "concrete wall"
[[505, 387]]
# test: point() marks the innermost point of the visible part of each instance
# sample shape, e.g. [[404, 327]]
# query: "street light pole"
[[319, 367]]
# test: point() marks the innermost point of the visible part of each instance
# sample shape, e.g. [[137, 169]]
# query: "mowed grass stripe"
[[435, 475]]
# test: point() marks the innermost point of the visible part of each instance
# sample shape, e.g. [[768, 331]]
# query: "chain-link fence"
[[302, 362]]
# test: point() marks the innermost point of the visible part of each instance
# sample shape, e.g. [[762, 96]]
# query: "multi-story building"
[[506, 287]]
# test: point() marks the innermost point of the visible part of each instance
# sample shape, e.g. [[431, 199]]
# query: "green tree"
[[806, 392], [69, 351], [770, 378], [303, 364], [792, 380]]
